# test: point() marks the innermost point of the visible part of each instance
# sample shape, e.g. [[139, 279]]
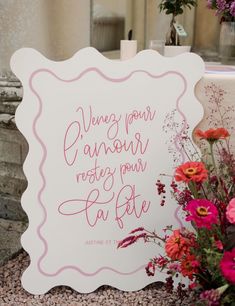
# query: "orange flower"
[[176, 245], [189, 266], [191, 171], [212, 135]]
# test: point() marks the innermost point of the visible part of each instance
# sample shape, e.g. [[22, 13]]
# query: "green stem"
[[154, 235], [215, 168], [185, 152], [202, 277], [204, 192], [193, 188], [213, 157]]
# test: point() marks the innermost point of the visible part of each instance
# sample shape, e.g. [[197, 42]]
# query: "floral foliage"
[[212, 135], [202, 212], [224, 8], [227, 265], [230, 211], [205, 192], [177, 245], [174, 8], [191, 171]]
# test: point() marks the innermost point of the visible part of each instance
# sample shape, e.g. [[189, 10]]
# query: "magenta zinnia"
[[227, 266], [203, 212]]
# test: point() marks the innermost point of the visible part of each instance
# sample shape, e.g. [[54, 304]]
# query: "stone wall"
[[13, 150]]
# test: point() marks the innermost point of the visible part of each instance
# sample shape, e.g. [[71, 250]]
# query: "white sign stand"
[[99, 134]]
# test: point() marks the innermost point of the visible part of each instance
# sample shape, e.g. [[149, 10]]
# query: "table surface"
[[217, 68]]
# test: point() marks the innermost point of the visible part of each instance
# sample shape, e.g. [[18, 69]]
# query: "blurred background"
[[58, 28]]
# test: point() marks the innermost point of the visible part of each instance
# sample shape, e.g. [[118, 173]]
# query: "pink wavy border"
[[91, 69]]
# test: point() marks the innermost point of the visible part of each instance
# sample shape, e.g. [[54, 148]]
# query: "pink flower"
[[211, 297], [160, 261], [150, 269], [195, 263], [219, 245], [202, 212], [130, 240], [209, 4], [227, 266], [230, 212], [174, 267], [192, 285], [138, 229], [232, 9]]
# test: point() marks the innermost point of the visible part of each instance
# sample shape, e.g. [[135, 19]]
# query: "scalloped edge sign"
[[100, 133]]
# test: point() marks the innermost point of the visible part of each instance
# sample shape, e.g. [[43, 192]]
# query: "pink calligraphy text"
[[84, 206], [136, 146], [146, 115], [97, 173], [127, 203], [83, 125], [112, 120], [125, 168]]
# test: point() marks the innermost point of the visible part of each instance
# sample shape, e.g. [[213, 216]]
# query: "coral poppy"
[[176, 245], [191, 171], [227, 266], [202, 212], [230, 211], [212, 135], [189, 266]]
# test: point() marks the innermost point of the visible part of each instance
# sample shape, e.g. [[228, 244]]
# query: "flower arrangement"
[[174, 8], [205, 254], [223, 8]]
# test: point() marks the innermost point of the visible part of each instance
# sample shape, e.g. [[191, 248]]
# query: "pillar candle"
[[128, 49]]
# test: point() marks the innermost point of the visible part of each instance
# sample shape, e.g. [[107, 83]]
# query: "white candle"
[[128, 49]]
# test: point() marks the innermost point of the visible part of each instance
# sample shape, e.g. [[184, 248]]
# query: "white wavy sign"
[[100, 133]]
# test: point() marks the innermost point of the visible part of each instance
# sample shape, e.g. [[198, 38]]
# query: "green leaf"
[[175, 7]]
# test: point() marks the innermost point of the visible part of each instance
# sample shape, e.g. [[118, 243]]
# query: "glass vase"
[[227, 43]]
